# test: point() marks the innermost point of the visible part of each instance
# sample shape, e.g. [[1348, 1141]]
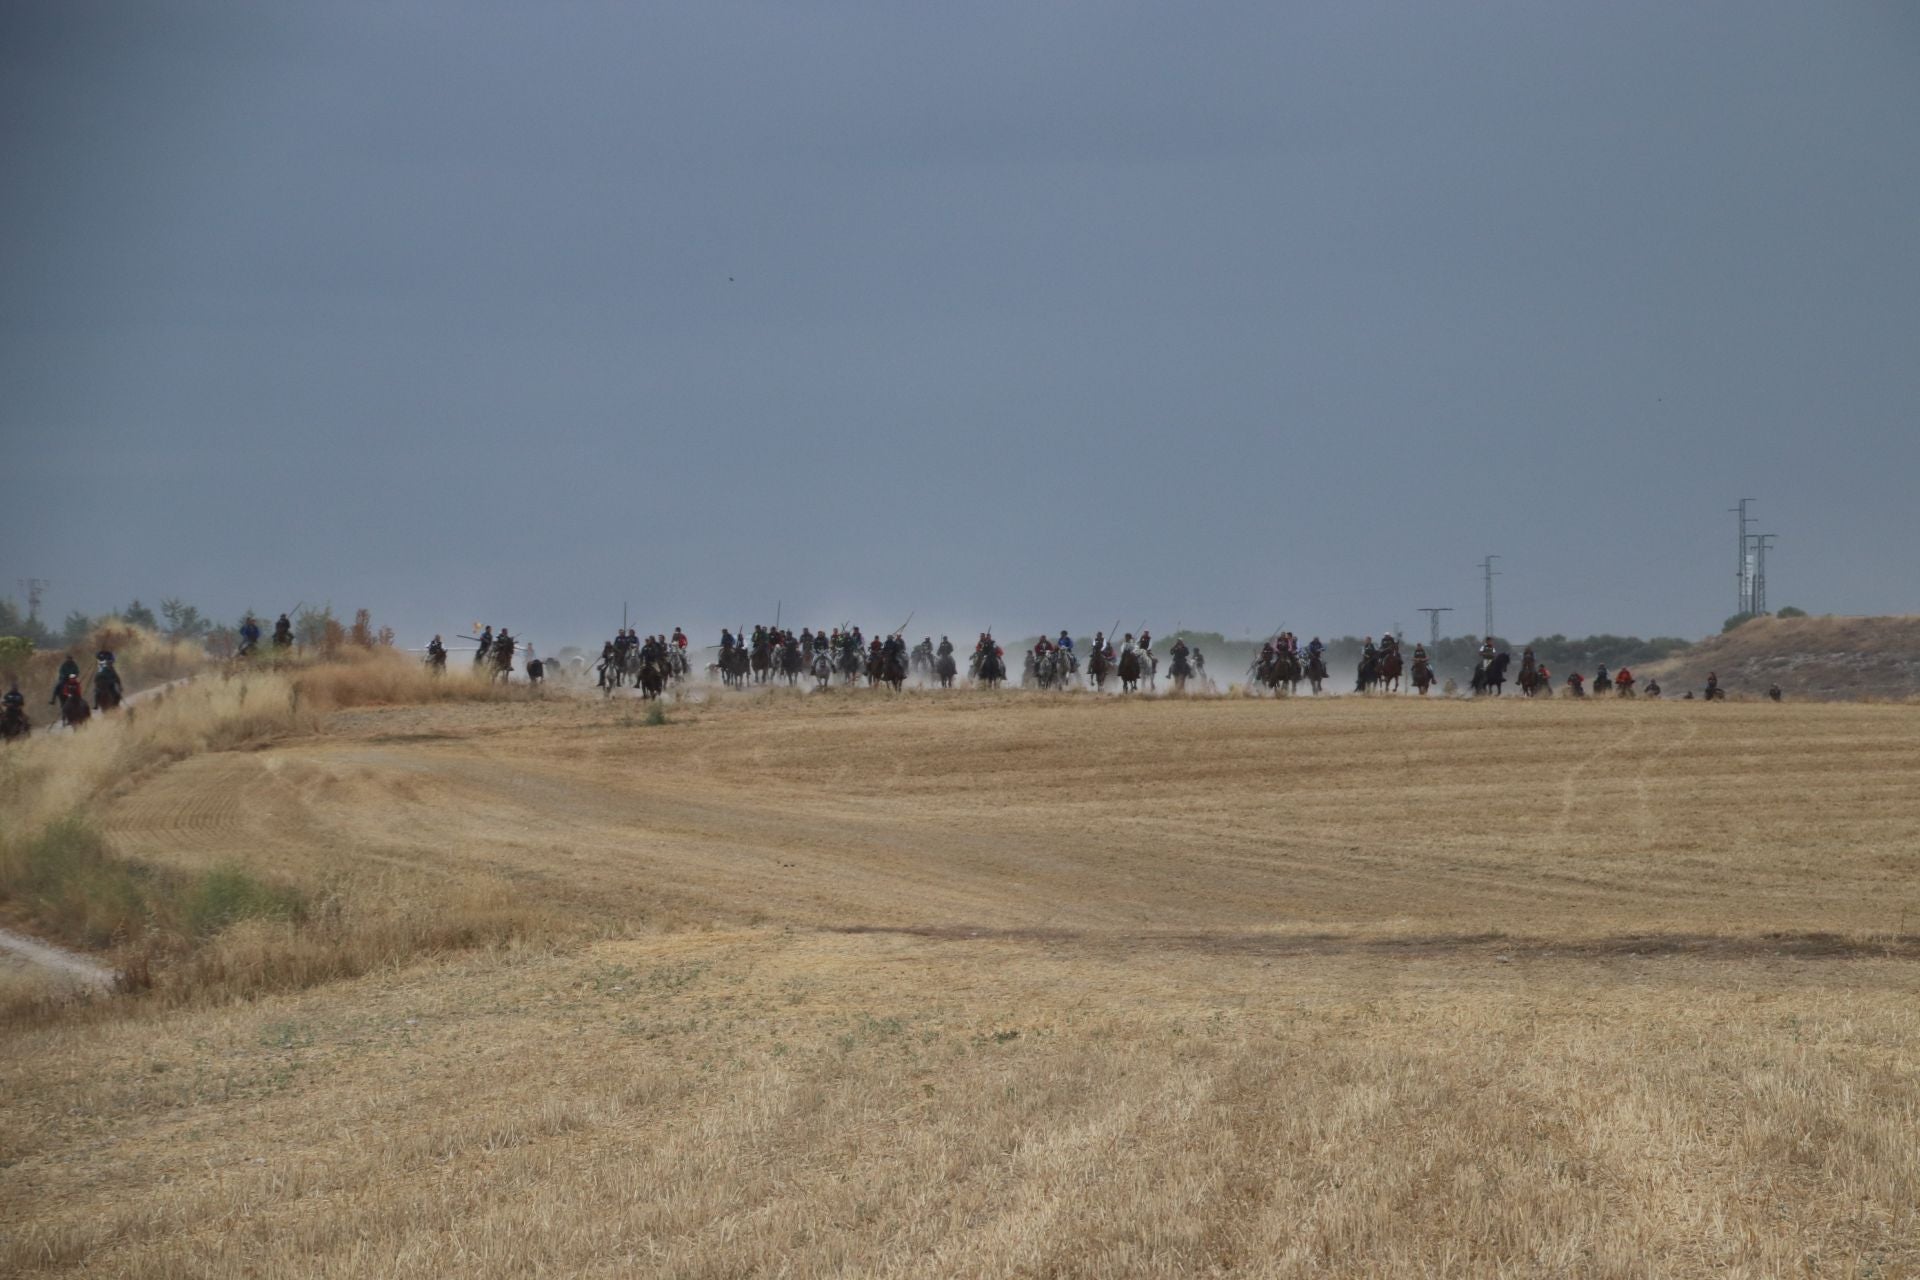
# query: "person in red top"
[[1623, 681], [679, 638]]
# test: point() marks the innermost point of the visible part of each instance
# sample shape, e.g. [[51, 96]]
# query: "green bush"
[[71, 883], [226, 895], [1791, 612]]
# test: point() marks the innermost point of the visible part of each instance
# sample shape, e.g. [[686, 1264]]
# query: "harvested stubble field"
[[1020, 985]]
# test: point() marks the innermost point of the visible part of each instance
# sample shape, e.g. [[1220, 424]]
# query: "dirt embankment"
[[1830, 657]]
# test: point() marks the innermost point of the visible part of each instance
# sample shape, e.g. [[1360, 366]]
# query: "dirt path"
[[53, 960]]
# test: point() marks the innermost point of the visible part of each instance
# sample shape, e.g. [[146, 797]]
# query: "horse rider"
[[1623, 681], [1199, 663], [1602, 682], [1389, 644], [1369, 654], [486, 645], [282, 633], [946, 647], [1713, 686], [1420, 662], [1773, 692], [1486, 649], [436, 651], [726, 639], [1064, 642], [1527, 663], [1315, 649], [1180, 649], [69, 670], [1653, 688], [249, 635], [105, 676], [679, 639], [1576, 683], [1146, 639], [70, 688], [1100, 646], [13, 705]]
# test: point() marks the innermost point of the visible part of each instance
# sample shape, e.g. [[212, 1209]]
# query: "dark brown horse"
[[1129, 670], [653, 678]]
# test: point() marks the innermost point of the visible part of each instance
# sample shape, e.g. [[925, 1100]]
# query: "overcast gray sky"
[[1026, 314]]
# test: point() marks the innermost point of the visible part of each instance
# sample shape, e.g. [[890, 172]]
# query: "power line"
[[32, 589], [1761, 541], [1743, 576], [1489, 573], [1433, 621]]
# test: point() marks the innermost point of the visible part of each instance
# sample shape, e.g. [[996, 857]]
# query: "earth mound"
[[1829, 658]]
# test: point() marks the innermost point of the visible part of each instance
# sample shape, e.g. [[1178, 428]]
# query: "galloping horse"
[[1316, 671], [1490, 675], [1390, 671], [1277, 667], [991, 669], [893, 667], [1099, 667], [1422, 676], [945, 669], [1129, 670], [652, 679], [762, 661], [14, 724], [822, 668], [73, 708], [1181, 670], [790, 664]]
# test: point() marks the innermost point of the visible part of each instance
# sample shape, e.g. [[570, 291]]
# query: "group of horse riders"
[[629, 655], [69, 694], [250, 634]]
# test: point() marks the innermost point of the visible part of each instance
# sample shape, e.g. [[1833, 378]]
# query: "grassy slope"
[[1018, 985]]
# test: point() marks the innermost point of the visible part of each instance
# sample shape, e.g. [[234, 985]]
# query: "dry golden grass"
[[1024, 985], [167, 927]]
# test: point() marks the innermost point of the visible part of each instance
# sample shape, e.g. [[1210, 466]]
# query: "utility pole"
[[1489, 573], [1760, 543], [32, 589], [1433, 620], [1745, 602]]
